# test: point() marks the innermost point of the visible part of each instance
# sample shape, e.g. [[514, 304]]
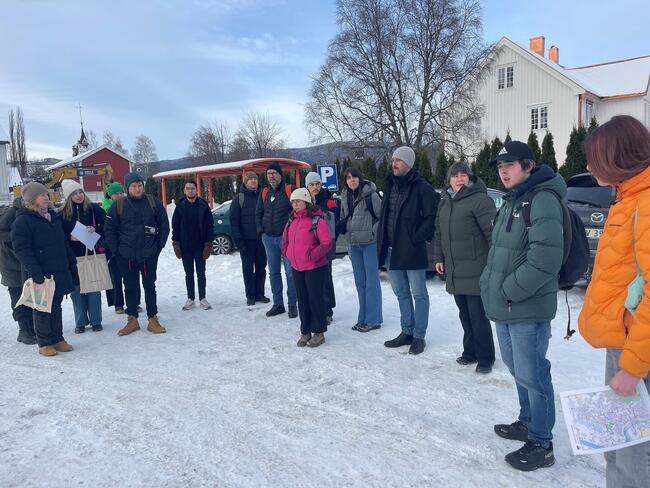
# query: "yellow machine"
[[69, 172]]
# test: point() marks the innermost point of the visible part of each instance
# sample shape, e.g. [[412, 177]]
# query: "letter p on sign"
[[329, 176]]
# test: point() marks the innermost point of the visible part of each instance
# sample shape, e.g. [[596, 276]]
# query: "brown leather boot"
[[63, 346], [304, 339], [316, 340], [47, 351], [131, 326], [154, 326]]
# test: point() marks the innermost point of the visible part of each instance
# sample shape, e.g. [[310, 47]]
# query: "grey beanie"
[[406, 154], [32, 190], [459, 167], [312, 177]]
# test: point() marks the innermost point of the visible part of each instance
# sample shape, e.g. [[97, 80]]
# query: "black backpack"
[[576, 247]]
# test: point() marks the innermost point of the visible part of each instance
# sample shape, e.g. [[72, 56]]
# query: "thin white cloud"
[[261, 50]]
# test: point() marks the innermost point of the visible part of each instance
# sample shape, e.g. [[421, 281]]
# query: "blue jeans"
[[273, 247], [366, 278], [87, 308], [523, 350], [410, 286]]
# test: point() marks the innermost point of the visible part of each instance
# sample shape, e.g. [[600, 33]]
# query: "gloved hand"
[[207, 250], [177, 249], [341, 226], [39, 279]]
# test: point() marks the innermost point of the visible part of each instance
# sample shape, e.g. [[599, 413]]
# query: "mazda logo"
[[597, 217]]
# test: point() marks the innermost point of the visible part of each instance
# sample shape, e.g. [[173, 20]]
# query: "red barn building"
[[97, 158]]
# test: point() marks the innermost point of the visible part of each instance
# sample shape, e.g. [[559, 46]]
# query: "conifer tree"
[[423, 166], [576, 162], [593, 125], [440, 175], [533, 143], [369, 169], [382, 172], [548, 152], [480, 166]]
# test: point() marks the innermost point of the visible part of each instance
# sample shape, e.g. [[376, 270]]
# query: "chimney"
[[554, 54], [536, 44]]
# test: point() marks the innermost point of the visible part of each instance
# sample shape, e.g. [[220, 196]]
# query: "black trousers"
[[115, 297], [49, 326], [253, 264], [191, 260], [310, 288], [477, 338], [131, 272], [20, 314], [330, 297]]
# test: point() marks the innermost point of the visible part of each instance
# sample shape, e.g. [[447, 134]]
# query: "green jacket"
[[520, 280], [107, 203], [462, 237]]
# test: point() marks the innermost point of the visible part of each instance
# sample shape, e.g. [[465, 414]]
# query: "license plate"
[[594, 233]]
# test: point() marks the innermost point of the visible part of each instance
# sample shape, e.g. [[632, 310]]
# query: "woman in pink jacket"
[[305, 242]]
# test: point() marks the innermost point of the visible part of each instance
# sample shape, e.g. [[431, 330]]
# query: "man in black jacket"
[[244, 231], [273, 209], [192, 234], [407, 221], [136, 231]]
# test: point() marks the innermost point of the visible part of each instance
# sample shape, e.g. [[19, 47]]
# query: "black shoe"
[[366, 327], [516, 431], [417, 346], [483, 368], [26, 338], [464, 361], [531, 457], [79, 329], [275, 310], [97, 327], [293, 311], [262, 299], [401, 340], [250, 301]]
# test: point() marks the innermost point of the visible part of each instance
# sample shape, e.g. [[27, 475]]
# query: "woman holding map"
[[616, 312]]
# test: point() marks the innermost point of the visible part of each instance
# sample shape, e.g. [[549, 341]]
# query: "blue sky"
[[164, 67]]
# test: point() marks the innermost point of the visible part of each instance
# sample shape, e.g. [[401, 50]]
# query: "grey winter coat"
[[361, 226], [462, 237]]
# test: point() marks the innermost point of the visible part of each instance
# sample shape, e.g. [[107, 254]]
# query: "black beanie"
[[276, 166], [132, 178]]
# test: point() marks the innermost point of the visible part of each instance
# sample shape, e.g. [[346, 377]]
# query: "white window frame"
[[543, 117], [534, 118], [589, 111], [539, 117], [505, 77]]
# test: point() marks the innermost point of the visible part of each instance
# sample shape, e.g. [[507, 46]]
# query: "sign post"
[[329, 176]]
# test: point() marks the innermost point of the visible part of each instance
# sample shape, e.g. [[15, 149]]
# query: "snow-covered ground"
[[226, 399]]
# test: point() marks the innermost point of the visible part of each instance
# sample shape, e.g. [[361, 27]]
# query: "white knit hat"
[[301, 194], [312, 177], [69, 187]]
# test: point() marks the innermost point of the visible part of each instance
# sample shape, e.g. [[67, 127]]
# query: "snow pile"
[[226, 399]]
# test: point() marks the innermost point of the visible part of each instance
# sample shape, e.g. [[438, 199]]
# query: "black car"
[[591, 202]]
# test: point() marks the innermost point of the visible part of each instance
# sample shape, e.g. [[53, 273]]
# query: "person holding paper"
[[39, 241], [78, 211], [616, 311]]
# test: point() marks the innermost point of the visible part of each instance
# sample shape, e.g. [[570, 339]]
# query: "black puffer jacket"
[[95, 217], [43, 249], [140, 231], [414, 223], [273, 212], [180, 224], [242, 215], [9, 263]]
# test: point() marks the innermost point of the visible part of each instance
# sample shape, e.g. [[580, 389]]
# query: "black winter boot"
[[275, 310], [293, 311], [401, 340], [417, 346], [26, 333], [531, 457]]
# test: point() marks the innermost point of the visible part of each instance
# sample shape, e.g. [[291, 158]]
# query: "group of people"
[[500, 266]]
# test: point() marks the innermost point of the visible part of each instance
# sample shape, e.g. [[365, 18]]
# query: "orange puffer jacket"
[[604, 320]]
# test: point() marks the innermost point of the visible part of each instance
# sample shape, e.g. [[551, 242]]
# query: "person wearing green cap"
[[115, 296], [114, 191]]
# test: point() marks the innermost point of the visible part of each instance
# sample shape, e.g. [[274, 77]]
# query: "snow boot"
[[401, 340], [154, 326], [131, 326], [366, 327], [26, 333], [275, 310], [316, 340], [417, 346], [47, 351], [97, 327], [80, 329], [263, 299], [250, 301], [516, 431], [465, 361], [483, 368], [531, 456], [293, 311], [63, 346], [304, 339]]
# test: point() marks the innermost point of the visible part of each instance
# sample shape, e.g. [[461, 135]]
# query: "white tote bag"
[[93, 273], [38, 297]]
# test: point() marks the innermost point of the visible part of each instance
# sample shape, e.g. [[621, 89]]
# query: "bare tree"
[[144, 150], [18, 149], [211, 143], [261, 134], [91, 137], [114, 142], [239, 149], [399, 72]]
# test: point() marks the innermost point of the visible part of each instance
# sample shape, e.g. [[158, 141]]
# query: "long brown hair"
[[619, 149], [67, 210]]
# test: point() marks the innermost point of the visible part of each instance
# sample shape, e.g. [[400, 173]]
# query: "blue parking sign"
[[329, 176]]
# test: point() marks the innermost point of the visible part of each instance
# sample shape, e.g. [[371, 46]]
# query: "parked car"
[[223, 242], [591, 202]]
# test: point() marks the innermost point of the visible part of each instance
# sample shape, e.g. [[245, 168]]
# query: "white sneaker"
[[205, 305], [189, 304]]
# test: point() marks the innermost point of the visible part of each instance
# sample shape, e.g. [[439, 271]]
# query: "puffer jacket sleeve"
[[111, 229], [163, 225], [429, 200], [100, 219], [545, 250], [635, 358], [285, 238], [235, 218], [176, 224], [23, 245], [209, 224], [438, 256], [376, 206], [484, 213], [325, 238]]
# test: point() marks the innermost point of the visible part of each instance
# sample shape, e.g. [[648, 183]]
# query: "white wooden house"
[[526, 89]]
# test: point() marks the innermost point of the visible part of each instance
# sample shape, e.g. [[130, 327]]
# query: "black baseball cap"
[[513, 151]]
